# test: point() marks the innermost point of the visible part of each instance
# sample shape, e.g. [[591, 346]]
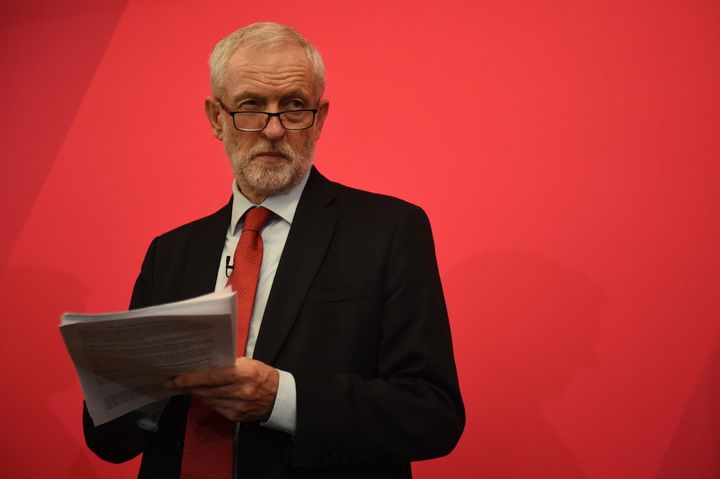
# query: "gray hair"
[[259, 36]]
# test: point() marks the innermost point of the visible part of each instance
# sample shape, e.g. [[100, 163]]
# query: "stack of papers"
[[123, 359]]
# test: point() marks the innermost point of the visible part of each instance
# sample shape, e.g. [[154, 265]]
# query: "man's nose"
[[274, 129]]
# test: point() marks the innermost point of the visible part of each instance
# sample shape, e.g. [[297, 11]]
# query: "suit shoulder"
[[375, 203], [218, 219]]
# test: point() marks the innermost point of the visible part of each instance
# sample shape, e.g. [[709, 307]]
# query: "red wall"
[[566, 152]]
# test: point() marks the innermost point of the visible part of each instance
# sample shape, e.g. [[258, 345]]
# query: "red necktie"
[[208, 450]]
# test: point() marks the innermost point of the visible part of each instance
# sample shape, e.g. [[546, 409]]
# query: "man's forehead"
[[284, 66], [272, 56]]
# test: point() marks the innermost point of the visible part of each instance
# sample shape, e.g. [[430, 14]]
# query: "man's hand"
[[244, 393]]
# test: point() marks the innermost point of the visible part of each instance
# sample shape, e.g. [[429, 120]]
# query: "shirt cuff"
[[284, 414], [150, 415]]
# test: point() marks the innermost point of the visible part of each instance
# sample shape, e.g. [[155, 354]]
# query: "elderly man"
[[345, 366]]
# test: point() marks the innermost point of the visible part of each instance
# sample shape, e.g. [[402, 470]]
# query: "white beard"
[[267, 179]]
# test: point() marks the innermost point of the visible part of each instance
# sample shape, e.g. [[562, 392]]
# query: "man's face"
[[273, 160]]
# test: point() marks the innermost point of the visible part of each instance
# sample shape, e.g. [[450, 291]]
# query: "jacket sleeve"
[[413, 409]]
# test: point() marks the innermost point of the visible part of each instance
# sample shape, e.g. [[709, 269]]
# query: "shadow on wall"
[[37, 440], [695, 447], [44, 39], [524, 326]]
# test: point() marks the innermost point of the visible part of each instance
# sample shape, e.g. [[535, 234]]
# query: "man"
[[348, 369]]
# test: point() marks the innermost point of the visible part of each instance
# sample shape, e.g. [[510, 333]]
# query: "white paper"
[[122, 359]]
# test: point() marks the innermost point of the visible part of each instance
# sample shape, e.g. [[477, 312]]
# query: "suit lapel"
[[204, 250], [305, 248]]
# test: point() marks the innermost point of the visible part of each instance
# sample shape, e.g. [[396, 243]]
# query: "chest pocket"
[[335, 293]]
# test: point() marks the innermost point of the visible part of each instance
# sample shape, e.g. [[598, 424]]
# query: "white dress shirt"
[[274, 235]]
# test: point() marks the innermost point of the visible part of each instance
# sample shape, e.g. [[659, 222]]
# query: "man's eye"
[[294, 105], [249, 105]]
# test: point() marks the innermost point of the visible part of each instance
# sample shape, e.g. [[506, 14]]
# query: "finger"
[[228, 392], [228, 413], [239, 411], [205, 378], [243, 368], [238, 406]]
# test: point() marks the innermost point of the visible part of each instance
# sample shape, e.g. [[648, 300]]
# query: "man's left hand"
[[244, 393]]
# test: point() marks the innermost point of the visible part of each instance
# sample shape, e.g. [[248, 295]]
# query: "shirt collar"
[[283, 205]]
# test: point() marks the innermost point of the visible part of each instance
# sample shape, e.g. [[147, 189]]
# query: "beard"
[[263, 178]]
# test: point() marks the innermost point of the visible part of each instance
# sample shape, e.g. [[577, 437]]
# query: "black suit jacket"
[[356, 313]]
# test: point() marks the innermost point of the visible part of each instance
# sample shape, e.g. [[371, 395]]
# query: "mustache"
[[274, 147]]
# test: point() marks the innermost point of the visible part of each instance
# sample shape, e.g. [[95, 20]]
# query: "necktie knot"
[[255, 218]]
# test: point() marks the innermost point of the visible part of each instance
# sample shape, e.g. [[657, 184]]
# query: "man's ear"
[[213, 112], [320, 116]]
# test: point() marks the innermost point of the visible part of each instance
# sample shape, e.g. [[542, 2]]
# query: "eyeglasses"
[[258, 120]]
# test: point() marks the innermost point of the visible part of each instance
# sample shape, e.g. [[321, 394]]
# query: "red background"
[[566, 153]]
